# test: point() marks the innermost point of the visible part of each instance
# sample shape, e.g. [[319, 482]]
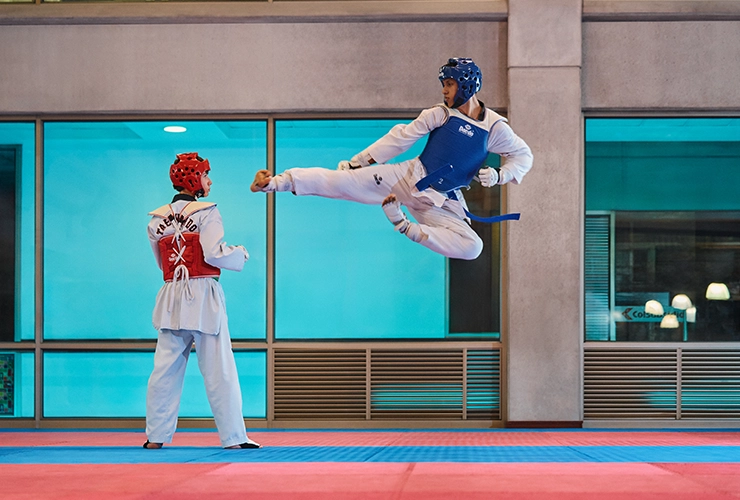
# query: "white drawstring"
[[181, 271]]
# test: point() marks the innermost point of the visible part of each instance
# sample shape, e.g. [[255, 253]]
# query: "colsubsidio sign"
[[638, 314]]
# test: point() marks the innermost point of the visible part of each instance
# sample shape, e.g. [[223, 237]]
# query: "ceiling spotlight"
[[175, 129]]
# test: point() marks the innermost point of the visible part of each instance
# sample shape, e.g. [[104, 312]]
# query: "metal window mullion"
[[39, 274], [270, 278], [679, 381], [368, 383], [465, 383]]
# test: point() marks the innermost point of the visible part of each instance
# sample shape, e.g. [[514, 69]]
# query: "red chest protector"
[[183, 248], [189, 253]]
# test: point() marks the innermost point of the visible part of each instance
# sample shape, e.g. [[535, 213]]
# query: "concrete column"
[[544, 294]]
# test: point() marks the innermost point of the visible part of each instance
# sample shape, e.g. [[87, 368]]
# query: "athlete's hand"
[[488, 177], [246, 254], [348, 165]]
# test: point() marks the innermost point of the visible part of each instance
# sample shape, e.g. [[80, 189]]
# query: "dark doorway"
[[9, 161]]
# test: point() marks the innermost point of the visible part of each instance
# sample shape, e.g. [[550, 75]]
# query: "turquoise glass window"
[[16, 384], [662, 218], [341, 272], [101, 179], [17, 228], [113, 384]]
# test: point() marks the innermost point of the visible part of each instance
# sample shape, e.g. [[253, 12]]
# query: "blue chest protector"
[[452, 157], [457, 143]]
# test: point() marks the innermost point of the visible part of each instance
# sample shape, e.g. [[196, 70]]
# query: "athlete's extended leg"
[[165, 385], [369, 185]]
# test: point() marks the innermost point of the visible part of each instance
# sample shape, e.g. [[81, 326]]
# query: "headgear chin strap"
[[187, 170], [467, 75]]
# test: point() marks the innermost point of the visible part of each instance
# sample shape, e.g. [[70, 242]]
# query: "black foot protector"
[[250, 444]]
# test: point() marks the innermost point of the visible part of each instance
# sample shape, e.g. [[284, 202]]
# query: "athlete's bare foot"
[[392, 209], [261, 180]]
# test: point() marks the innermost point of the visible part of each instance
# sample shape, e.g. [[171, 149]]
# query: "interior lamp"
[[669, 321], [681, 301], [691, 315], [654, 307], [718, 291]]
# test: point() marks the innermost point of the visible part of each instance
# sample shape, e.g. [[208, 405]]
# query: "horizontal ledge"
[[659, 422], [593, 346], [236, 12], [660, 10]]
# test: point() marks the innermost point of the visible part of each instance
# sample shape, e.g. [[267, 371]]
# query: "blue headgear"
[[467, 75]]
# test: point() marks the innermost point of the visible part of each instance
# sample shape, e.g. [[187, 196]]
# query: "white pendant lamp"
[[669, 321], [681, 301], [718, 291], [654, 307]]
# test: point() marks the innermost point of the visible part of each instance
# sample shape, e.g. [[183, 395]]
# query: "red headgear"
[[187, 170]]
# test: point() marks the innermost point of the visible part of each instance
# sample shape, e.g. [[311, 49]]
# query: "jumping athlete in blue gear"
[[462, 132]]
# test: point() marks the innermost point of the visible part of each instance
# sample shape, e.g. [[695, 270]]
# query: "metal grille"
[[710, 384], [630, 384], [319, 384], [385, 384], [597, 277], [416, 384], [483, 396]]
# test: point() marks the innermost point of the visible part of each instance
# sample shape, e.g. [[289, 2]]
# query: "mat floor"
[[399, 464]]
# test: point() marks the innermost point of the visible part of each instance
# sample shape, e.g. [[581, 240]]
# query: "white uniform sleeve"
[[517, 156], [401, 137], [215, 250]]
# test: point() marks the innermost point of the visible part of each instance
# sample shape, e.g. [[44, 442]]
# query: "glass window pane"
[[341, 271], [662, 219], [101, 181], [17, 181], [17, 387], [89, 384]]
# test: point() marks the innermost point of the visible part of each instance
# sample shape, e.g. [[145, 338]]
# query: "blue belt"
[[438, 177]]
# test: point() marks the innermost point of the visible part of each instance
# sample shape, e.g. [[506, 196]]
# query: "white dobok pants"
[[441, 220], [217, 365]]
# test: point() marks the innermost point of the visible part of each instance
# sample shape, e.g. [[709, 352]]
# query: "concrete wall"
[[544, 298], [241, 67], [661, 65]]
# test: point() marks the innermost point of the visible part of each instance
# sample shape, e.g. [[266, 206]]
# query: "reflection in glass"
[[101, 181], [341, 271], [662, 215], [17, 384], [17, 167], [89, 384]]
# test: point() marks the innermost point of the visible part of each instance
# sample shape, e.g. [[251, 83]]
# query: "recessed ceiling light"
[[175, 129]]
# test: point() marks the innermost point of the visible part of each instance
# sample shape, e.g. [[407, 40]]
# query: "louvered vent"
[[597, 281], [710, 384], [483, 401], [630, 384], [320, 384], [416, 384]]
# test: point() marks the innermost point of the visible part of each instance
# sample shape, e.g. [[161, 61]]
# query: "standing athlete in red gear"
[[187, 239]]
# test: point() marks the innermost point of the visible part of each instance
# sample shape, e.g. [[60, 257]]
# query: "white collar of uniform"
[[189, 209]]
